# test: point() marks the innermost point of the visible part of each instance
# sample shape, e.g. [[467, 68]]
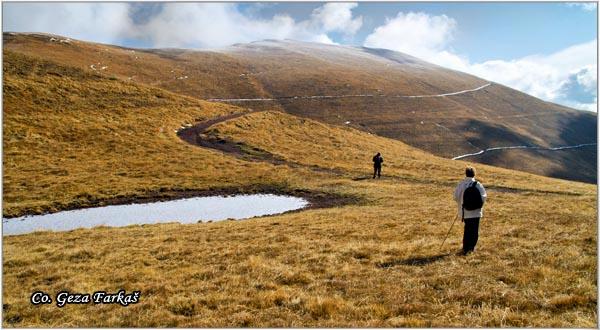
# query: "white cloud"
[[220, 24], [196, 25], [210, 25], [566, 77], [101, 22], [579, 90], [418, 34], [587, 6], [337, 17]]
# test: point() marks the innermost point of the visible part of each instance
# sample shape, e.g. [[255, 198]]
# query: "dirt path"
[[197, 136], [190, 134]]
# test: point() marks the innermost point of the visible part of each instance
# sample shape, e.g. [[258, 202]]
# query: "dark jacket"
[[377, 160]]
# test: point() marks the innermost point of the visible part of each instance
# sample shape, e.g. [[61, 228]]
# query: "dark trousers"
[[471, 234], [376, 171]]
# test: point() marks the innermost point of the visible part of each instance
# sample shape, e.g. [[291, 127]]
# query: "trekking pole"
[[453, 221]]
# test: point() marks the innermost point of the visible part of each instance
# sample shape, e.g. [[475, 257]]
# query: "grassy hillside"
[[209, 74], [77, 138], [466, 123], [71, 138], [313, 143], [447, 126]]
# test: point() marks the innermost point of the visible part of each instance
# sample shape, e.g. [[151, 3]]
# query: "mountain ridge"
[[288, 72]]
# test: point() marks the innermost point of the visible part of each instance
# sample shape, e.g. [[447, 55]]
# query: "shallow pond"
[[189, 210]]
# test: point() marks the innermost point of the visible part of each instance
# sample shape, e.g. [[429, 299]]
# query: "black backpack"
[[472, 198]]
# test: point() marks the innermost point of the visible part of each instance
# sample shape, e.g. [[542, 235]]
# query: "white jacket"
[[458, 197]]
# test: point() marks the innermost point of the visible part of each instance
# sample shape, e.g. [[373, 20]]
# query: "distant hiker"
[[470, 196], [377, 161]]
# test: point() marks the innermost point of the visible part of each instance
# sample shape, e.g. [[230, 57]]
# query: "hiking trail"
[[195, 135], [346, 96], [480, 152]]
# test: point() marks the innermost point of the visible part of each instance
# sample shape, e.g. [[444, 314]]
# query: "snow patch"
[[66, 41], [349, 96], [93, 67], [442, 126], [524, 147]]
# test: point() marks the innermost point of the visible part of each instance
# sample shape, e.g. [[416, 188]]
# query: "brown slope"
[[447, 126], [209, 74], [75, 139]]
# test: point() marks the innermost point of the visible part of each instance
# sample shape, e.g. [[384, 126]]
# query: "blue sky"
[[548, 50], [486, 30]]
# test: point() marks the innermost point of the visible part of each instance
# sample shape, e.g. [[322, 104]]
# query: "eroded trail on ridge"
[[190, 134], [197, 136]]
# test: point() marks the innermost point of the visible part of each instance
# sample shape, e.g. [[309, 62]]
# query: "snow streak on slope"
[[523, 147], [349, 96], [449, 94]]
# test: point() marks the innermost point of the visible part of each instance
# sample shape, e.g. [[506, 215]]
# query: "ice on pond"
[[188, 210]]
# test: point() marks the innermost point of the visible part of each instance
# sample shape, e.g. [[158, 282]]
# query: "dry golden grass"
[[310, 142], [209, 74], [448, 126], [351, 266], [71, 138]]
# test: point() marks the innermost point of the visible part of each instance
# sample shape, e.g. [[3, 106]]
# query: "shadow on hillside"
[[578, 164], [486, 135], [415, 261], [393, 56], [579, 128]]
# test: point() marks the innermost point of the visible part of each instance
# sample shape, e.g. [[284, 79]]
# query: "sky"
[[548, 50]]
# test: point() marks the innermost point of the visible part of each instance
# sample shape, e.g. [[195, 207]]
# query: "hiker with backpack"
[[470, 196], [377, 161]]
